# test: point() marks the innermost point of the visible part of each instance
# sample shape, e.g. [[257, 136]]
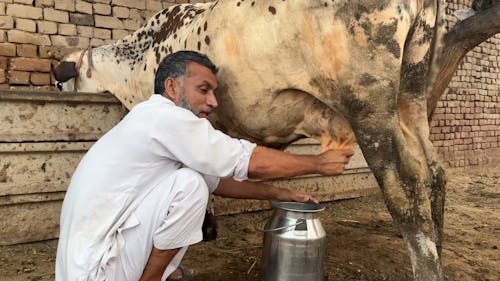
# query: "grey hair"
[[175, 66]]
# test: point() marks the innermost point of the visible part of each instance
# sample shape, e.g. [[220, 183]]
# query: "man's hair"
[[175, 65]]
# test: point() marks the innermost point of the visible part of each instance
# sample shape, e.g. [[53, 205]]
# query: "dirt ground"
[[362, 242]]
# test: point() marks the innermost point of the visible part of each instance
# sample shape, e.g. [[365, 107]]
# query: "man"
[[138, 197]]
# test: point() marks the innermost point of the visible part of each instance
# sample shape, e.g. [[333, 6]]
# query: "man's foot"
[[182, 273]]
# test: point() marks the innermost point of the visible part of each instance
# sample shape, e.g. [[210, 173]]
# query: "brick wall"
[[466, 125], [35, 33]]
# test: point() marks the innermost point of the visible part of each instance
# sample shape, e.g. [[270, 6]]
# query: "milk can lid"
[[298, 207]]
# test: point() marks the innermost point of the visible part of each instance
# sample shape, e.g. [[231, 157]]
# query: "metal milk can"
[[294, 243]]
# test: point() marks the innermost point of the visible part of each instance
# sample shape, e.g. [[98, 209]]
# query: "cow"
[[338, 71]]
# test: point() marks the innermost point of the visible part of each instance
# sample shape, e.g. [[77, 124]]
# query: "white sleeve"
[[179, 135], [212, 182]]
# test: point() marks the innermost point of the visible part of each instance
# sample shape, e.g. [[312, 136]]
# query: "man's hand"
[[332, 162], [289, 195]]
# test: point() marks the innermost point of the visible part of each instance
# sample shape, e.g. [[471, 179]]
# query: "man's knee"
[[193, 184]]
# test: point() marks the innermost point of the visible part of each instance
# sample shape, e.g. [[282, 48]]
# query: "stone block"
[[119, 34], [2, 8], [85, 31], [27, 50], [26, 25], [69, 41], [55, 15], [7, 49], [101, 33], [3, 36], [38, 78], [19, 77], [24, 11], [18, 36], [102, 9], [6, 22], [102, 1], [141, 5], [81, 19], [3, 76], [67, 29], [108, 22], [83, 7], [47, 27], [121, 12], [30, 64], [44, 3], [65, 5]]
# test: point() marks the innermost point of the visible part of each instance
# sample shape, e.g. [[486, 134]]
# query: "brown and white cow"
[[290, 69]]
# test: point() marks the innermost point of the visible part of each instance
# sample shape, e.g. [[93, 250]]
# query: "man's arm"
[[267, 163], [256, 190], [157, 263]]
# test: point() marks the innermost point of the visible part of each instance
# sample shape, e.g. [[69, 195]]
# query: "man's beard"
[[185, 104]]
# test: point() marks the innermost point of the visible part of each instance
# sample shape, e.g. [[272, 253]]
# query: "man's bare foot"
[[182, 273]]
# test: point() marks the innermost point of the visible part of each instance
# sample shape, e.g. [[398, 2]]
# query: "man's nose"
[[212, 100]]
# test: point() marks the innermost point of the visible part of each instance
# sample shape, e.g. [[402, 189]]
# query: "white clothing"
[[124, 173]]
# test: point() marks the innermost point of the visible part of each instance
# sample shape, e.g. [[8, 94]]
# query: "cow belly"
[[286, 116]]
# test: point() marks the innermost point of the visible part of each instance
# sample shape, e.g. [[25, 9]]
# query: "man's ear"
[[172, 91]]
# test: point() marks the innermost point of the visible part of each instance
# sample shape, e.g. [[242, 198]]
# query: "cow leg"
[[401, 171], [412, 109], [413, 121]]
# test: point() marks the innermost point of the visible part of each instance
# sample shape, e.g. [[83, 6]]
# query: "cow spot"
[[385, 36], [272, 10], [367, 79]]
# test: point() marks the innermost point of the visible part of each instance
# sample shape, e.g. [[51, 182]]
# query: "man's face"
[[197, 90]]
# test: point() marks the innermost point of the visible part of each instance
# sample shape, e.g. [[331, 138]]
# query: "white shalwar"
[[144, 183]]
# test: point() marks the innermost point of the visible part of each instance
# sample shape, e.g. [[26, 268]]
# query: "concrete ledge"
[[52, 116]]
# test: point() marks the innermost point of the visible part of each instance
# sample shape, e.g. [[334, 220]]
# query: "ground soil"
[[363, 244]]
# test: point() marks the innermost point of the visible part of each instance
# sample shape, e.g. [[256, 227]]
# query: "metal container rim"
[[298, 206]]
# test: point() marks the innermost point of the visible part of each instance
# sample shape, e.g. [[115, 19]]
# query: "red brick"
[[7, 49], [38, 78], [3, 63], [3, 76], [26, 50], [19, 78], [30, 64]]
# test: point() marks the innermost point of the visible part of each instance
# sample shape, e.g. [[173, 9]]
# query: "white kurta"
[[134, 172]]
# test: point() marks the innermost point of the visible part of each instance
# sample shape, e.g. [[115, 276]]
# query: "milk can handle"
[[283, 227]]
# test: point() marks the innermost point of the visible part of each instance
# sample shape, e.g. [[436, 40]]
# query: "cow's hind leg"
[[401, 171]]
